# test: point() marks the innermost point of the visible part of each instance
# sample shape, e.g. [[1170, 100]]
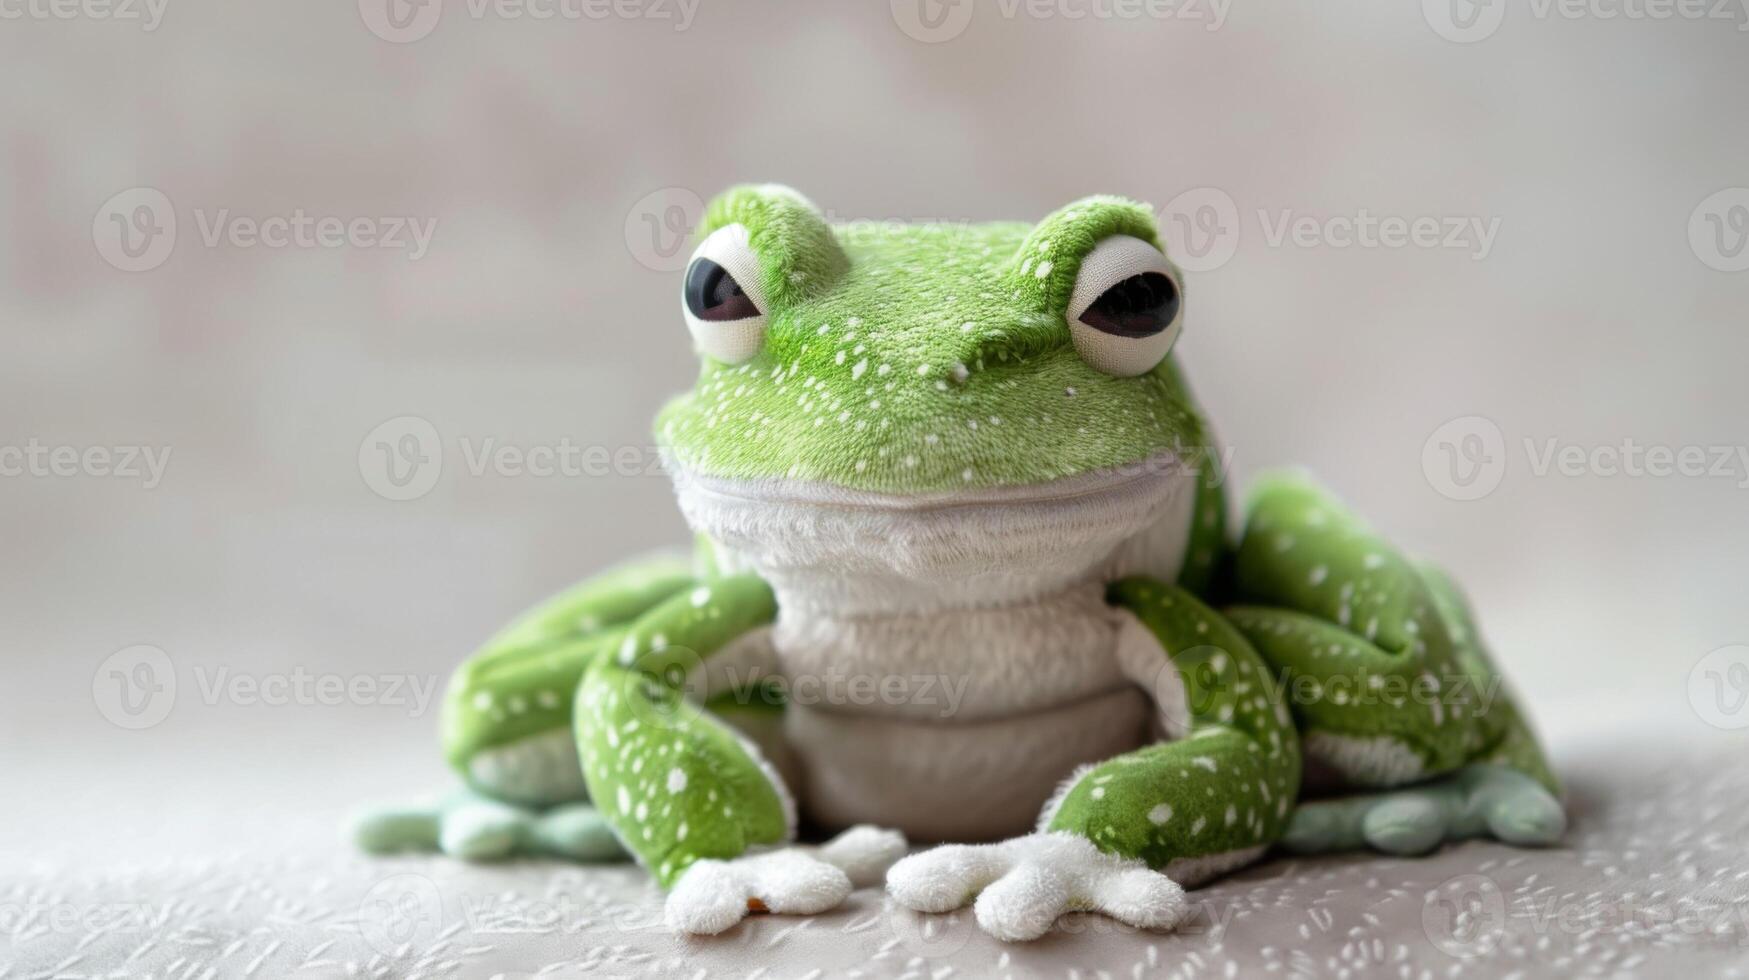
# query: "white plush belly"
[[955, 724], [953, 666], [954, 782]]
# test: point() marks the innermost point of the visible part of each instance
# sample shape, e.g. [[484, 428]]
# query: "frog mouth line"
[[1166, 467]]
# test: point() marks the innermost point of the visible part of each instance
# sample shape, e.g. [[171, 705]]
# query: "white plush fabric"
[[714, 895], [1022, 886]]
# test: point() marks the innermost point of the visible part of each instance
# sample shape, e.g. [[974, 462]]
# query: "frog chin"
[[974, 546]]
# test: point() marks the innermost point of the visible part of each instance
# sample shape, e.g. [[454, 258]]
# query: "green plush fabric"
[[522, 681], [1229, 783], [1371, 645], [922, 362], [923, 357], [673, 781]]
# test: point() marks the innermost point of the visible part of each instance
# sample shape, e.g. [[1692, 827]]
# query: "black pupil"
[[713, 294], [1139, 306]]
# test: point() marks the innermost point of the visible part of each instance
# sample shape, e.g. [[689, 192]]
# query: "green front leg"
[[675, 783], [1223, 789], [1125, 836]]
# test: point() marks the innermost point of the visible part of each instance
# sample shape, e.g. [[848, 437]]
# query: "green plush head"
[[928, 358]]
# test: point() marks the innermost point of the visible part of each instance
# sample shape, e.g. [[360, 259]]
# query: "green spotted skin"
[[1370, 645], [674, 782], [923, 358], [522, 682], [937, 358], [1230, 783]]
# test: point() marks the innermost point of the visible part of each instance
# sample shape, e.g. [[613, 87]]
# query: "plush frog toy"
[[965, 577]]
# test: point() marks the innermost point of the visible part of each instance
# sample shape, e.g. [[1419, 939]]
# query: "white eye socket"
[[724, 298], [1126, 310]]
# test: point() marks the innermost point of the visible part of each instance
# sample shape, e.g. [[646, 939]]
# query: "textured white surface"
[[1653, 881]]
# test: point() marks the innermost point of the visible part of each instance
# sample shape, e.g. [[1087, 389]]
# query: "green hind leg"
[[507, 729], [1390, 684]]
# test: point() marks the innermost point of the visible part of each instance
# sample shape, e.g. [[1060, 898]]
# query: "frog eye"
[[1126, 310], [723, 298]]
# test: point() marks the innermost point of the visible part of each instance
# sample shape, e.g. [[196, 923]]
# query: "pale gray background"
[[536, 144]]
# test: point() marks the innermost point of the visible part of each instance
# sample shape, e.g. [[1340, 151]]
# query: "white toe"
[[1141, 898], [864, 853], [1024, 904], [709, 898], [796, 883], [945, 878]]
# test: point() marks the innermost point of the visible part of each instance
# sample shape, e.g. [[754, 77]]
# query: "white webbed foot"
[[714, 895], [1023, 885]]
